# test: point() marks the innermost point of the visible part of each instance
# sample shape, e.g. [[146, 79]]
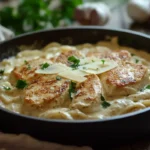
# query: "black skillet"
[[129, 126]]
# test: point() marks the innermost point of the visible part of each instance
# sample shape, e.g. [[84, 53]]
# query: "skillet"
[[118, 128]]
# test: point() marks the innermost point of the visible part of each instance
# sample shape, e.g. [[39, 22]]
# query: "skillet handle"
[[5, 33]]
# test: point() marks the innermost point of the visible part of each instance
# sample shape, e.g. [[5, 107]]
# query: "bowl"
[[79, 132]]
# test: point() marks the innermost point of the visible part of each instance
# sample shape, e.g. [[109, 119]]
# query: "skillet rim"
[[113, 118]]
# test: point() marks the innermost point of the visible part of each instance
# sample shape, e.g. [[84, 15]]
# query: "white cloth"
[[5, 33]]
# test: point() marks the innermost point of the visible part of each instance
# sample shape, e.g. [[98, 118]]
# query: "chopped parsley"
[[58, 78], [25, 62], [7, 88], [105, 104], [44, 66], [93, 60], [72, 89], [146, 87], [132, 54], [1, 71], [75, 61], [21, 84], [103, 61], [136, 61], [28, 65]]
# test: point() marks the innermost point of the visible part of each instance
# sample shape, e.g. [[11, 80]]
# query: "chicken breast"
[[63, 57], [87, 98], [27, 70], [47, 92], [122, 55], [126, 79]]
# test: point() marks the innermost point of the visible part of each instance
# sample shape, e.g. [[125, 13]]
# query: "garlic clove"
[[139, 10], [92, 13]]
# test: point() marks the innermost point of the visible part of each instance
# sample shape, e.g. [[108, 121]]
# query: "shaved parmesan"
[[98, 66], [89, 65], [53, 69], [77, 76]]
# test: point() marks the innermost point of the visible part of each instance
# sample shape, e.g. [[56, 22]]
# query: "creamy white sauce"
[[12, 99]]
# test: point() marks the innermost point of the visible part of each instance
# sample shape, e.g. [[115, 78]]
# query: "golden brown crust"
[[126, 74], [63, 57], [88, 93], [27, 70], [122, 55], [46, 91]]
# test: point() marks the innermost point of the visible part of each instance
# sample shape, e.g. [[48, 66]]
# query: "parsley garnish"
[[75, 61], [28, 65], [25, 62], [44, 66], [72, 89], [7, 88], [147, 87], [21, 84], [132, 54], [136, 61], [103, 61], [58, 78], [1, 71], [105, 104]]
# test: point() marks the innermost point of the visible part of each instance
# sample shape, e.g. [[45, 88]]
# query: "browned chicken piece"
[[87, 98], [47, 92], [122, 55], [126, 79], [27, 70], [63, 57]]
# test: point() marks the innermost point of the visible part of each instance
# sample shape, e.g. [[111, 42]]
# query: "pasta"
[[86, 81]]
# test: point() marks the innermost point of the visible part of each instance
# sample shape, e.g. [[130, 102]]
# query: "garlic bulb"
[[139, 10], [92, 13]]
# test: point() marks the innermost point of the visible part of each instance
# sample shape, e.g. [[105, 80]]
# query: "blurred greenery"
[[32, 15]]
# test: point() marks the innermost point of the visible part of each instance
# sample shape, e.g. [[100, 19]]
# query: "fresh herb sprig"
[[32, 15], [72, 89], [21, 84], [104, 103], [1, 71], [44, 66], [7, 88], [75, 62]]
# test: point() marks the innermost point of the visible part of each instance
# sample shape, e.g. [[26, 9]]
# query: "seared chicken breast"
[[87, 98], [63, 57], [122, 55], [47, 92], [27, 70], [126, 79]]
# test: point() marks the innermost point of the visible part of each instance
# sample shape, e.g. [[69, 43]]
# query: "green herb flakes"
[[44, 66], [132, 54], [21, 84], [136, 61], [72, 89], [103, 61], [75, 61], [28, 65], [1, 71], [147, 87], [104, 103], [58, 78], [6, 88]]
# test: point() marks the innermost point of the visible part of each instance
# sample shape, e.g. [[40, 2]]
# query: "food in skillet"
[[87, 81]]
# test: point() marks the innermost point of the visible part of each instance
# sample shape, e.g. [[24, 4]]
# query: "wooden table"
[[120, 19]]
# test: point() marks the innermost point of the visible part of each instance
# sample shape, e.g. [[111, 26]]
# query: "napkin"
[[5, 33]]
